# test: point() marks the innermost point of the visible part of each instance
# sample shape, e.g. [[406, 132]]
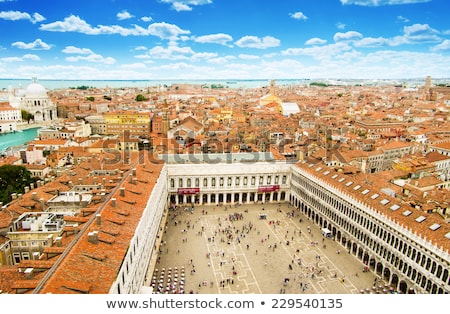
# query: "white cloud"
[[419, 33], [75, 24], [134, 66], [166, 31], [76, 50], [316, 41], [203, 56], [248, 57], [341, 25], [17, 15], [298, 16], [185, 5], [146, 19], [92, 58], [444, 46], [31, 57], [124, 15], [402, 19], [140, 48], [256, 42], [325, 52], [172, 52], [86, 54], [376, 3], [348, 36], [371, 42], [38, 44], [221, 39]]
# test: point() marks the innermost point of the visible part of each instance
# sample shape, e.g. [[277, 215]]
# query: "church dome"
[[35, 90]]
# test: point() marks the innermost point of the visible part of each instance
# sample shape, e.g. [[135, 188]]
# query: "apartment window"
[[237, 181], [276, 179], [172, 183], [245, 180], [213, 182], [221, 181], [253, 180], [25, 256], [205, 182], [283, 181], [180, 182], [16, 257], [269, 179], [229, 181], [261, 180], [197, 182], [188, 182]]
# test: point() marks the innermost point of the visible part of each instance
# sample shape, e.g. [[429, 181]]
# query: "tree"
[[13, 179], [140, 97], [90, 98], [26, 116]]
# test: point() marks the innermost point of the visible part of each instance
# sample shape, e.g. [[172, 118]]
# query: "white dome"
[[35, 90]]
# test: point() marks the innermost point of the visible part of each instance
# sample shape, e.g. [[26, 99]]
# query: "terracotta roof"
[[95, 266]]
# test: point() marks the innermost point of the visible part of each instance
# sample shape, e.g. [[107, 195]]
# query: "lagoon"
[[17, 138]]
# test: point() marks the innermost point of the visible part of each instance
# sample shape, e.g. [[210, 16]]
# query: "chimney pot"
[[99, 219], [113, 202], [122, 191]]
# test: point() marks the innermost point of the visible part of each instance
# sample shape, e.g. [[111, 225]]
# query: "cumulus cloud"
[[76, 50], [17, 15], [172, 52], [298, 16], [31, 57], [185, 5], [444, 46], [348, 36], [256, 42], [86, 54], [316, 41], [221, 39], [124, 15], [376, 3], [38, 44], [75, 24], [146, 19], [166, 31], [248, 57]]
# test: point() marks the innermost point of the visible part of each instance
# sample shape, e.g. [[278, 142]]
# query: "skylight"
[[395, 207], [384, 201], [326, 172], [334, 176], [435, 227], [357, 187], [365, 191], [406, 212], [374, 196], [420, 218], [341, 179], [349, 183], [318, 168]]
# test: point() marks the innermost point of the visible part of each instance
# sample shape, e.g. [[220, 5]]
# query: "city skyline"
[[216, 39]]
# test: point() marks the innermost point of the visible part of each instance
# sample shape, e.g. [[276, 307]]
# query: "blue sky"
[[224, 39]]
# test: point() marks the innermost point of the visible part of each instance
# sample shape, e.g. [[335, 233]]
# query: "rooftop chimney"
[[134, 171], [113, 202], [28, 273], [122, 191], [58, 241], [131, 177], [93, 237], [26, 189], [98, 219], [34, 196]]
